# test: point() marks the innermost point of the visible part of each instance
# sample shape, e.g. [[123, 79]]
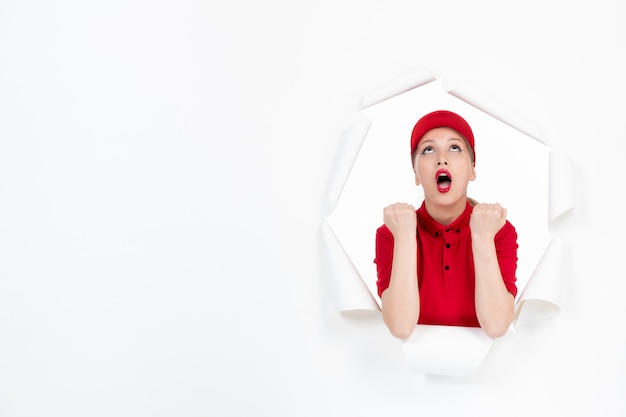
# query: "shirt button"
[[446, 267], [448, 245], [448, 229]]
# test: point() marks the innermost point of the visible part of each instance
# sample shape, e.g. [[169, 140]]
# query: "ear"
[[472, 176], [417, 180]]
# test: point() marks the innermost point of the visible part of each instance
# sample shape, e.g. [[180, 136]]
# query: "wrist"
[[405, 238], [482, 238]]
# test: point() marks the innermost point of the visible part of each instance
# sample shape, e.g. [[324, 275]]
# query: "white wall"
[[162, 166]]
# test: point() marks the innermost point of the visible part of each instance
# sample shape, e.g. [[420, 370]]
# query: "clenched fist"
[[487, 219], [400, 218]]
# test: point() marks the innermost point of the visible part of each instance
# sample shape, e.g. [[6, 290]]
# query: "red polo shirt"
[[445, 267]]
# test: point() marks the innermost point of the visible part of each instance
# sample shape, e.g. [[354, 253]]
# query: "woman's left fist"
[[487, 219]]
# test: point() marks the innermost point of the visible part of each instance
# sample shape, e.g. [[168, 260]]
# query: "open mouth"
[[444, 181]]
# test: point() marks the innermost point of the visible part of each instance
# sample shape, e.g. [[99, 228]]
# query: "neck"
[[446, 214]]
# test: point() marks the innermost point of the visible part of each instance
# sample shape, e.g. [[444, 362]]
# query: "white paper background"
[[163, 171]]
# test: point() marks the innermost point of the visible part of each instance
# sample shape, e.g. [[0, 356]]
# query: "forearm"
[[494, 303], [400, 301]]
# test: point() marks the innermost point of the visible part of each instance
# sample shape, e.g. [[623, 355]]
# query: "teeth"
[[442, 178]]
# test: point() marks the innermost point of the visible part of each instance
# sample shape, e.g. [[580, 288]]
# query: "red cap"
[[441, 118]]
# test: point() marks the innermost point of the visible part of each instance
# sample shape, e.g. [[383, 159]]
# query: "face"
[[443, 166]]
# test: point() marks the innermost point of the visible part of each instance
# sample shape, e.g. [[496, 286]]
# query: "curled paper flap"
[[562, 193], [478, 98], [347, 152], [348, 289], [532, 310], [541, 299], [446, 350], [412, 78]]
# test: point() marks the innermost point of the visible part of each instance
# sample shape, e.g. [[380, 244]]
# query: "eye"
[[455, 148], [427, 149]]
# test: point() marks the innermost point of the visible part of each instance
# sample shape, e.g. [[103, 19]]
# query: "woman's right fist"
[[400, 218]]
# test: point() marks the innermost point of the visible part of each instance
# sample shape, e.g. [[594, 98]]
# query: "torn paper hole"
[[514, 167]]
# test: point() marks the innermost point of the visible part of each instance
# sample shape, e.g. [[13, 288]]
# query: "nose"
[[442, 162]]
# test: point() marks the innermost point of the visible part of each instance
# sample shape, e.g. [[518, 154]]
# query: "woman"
[[452, 261]]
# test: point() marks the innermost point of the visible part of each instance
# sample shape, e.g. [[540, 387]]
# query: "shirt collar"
[[435, 228]]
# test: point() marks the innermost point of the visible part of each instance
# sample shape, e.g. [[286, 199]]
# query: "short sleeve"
[[384, 258], [506, 249]]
